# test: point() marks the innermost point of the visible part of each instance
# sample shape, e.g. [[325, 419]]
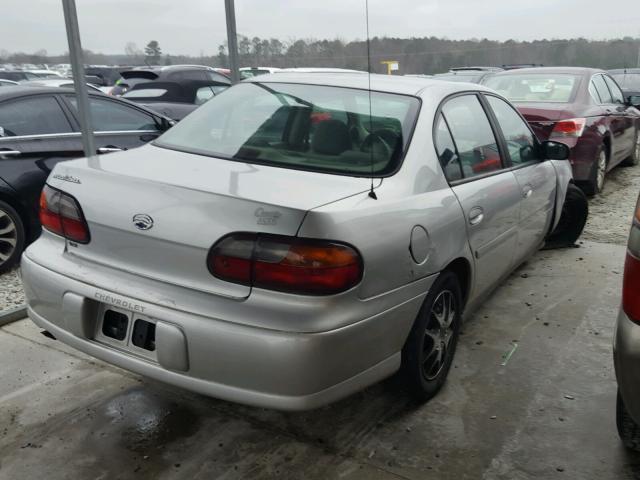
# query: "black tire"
[[633, 159], [595, 185], [575, 212], [628, 429], [423, 378], [11, 237]]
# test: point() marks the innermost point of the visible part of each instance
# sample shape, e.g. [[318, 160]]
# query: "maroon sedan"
[[581, 107]]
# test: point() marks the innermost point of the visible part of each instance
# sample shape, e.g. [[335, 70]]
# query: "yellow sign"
[[392, 66]]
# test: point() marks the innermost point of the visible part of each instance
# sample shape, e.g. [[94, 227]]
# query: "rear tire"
[[628, 429], [633, 159], [428, 352], [575, 212], [597, 178], [11, 237]]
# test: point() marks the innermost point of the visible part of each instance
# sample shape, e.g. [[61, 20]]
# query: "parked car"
[[39, 127], [44, 73], [17, 75], [173, 73], [581, 107], [108, 76], [175, 100], [629, 81], [248, 72], [7, 83], [54, 82], [467, 74], [294, 248], [626, 350]]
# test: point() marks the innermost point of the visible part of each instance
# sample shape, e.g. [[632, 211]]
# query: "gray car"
[[627, 344], [297, 238]]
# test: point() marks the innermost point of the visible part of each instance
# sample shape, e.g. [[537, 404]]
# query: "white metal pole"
[[232, 40], [79, 81]]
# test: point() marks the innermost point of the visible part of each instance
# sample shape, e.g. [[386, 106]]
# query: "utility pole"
[[77, 65], [232, 40]]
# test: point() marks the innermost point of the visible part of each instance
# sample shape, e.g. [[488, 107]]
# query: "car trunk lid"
[[543, 116], [157, 212]]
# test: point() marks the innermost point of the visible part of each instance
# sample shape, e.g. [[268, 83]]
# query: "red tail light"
[[631, 282], [288, 264], [569, 128], [61, 214]]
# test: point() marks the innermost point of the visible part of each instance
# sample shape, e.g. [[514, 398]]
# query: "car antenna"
[[372, 193]]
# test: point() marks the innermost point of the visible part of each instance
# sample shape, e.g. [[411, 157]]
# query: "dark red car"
[[581, 107]]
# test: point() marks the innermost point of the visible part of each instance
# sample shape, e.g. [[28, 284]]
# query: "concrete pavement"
[[531, 395]]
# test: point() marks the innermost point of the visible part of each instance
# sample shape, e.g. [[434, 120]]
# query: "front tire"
[[11, 237], [575, 212], [430, 348], [628, 429]]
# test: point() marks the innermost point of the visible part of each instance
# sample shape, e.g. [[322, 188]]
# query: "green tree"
[[153, 53]]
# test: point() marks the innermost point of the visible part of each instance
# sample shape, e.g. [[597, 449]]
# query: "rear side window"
[[473, 136], [603, 90], [593, 91], [616, 93], [33, 116], [109, 116], [305, 127]]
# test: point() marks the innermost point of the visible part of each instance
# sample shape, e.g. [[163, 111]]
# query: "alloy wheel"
[[8, 237], [602, 170], [439, 334]]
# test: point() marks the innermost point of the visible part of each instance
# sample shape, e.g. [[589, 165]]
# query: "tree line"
[[426, 55]]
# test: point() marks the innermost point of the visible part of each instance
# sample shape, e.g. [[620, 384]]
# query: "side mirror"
[[555, 151], [634, 101]]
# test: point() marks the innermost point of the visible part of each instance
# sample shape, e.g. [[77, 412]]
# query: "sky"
[[198, 26]]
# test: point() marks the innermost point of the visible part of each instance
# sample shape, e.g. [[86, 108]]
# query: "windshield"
[[628, 81], [306, 127], [553, 88]]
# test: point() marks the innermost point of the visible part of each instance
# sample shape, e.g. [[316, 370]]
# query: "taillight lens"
[[288, 264], [631, 282], [61, 214], [573, 127]]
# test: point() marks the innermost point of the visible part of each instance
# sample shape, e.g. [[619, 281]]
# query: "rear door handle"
[[10, 153], [109, 149], [527, 192], [476, 215]]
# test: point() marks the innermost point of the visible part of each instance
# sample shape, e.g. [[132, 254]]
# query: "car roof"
[[557, 70], [23, 90], [622, 71], [380, 83]]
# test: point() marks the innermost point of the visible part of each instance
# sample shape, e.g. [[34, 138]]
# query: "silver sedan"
[[299, 237]]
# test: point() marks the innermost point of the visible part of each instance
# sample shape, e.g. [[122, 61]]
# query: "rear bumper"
[[219, 358], [582, 158], [626, 356]]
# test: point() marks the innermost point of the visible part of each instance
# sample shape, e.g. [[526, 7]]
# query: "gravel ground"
[[11, 294], [609, 221], [611, 212]]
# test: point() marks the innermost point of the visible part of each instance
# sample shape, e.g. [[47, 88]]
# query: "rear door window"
[[473, 136], [111, 116], [593, 91], [521, 143], [616, 93], [37, 115]]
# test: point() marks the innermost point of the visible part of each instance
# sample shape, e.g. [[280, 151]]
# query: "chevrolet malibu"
[[298, 238]]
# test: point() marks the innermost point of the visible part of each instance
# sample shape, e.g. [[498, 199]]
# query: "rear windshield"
[[460, 77], [553, 88], [628, 81], [304, 127]]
